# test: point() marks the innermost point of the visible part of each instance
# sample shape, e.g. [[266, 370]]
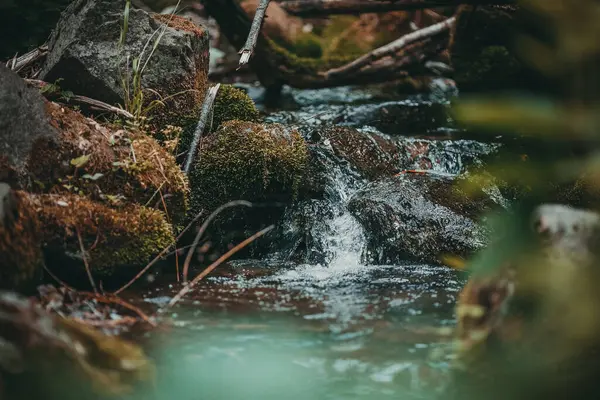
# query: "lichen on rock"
[[84, 52], [112, 238]]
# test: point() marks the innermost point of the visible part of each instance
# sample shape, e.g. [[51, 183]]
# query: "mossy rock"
[[21, 258], [307, 45], [482, 48], [108, 164], [248, 161], [113, 239], [230, 104], [50, 356]]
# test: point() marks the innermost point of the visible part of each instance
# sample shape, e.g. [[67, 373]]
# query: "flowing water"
[[328, 328]]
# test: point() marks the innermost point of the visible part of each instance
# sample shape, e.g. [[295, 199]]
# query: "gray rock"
[[85, 53], [23, 120], [419, 218]]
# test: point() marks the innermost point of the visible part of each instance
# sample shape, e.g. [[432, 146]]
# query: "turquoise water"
[[259, 331]]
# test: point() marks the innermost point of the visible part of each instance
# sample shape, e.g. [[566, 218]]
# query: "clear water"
[[327, 329]]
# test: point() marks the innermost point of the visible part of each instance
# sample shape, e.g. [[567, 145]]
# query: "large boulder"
[[85, 53], [23, 121], [420, 217]]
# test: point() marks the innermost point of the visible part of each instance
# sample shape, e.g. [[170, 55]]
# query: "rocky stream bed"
[[372, 199]]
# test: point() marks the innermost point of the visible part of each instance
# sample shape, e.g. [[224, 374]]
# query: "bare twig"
[[259, 16], [207, 106], [160, 255], [81, 100], [113, 299], [60, 282], [316, 8], [393, 47], [27, 59], [85, 262], [188, 259], [214, 265]]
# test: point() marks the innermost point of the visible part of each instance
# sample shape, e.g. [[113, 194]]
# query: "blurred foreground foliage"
[[529, 317]]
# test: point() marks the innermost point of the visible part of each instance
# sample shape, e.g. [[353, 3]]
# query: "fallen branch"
[[393, 47], [188, 259], [275, 66], [319, 8], [207, 107], [79, 100], [214, 265], [19, 63], [248, 49]]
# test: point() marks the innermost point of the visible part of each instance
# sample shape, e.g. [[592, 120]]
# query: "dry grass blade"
[[211, 217], [159, 256], [214, 265], [87, 265]]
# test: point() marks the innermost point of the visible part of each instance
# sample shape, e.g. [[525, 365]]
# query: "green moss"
[[248, 161], [232, 103], [307, 45], [126, 237]]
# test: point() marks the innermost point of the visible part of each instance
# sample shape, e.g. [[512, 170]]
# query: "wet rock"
[[45, 356], [21, 258], [418, 217], [23, 121], [85, 53], [117, 242], [532, 302], [405, 118], [260, 163]]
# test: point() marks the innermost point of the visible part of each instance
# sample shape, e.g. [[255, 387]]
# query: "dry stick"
[[248, 49], [188, 259], [315, 8], [214, 265], [159, 256], [393, 47], [207, 106], [109, 299], [17, 64], [83, 100], [85, 262]]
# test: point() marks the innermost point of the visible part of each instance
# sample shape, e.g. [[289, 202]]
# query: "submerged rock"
[[45, 356], [528, 323], [418, 217], [116, 241], [85, 54], [21, 258]]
